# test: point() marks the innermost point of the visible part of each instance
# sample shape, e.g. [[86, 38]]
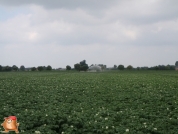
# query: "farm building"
[[103, 67], [95, 68], [61, 69]]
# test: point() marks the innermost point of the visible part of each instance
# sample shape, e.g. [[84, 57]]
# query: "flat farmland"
[[113, 102]]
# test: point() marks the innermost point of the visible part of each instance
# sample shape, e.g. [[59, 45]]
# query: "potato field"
[[113, 102]]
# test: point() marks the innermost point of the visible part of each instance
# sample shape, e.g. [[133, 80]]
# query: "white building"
[[95, 68]]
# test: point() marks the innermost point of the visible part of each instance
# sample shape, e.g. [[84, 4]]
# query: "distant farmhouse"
[[97, 68], [94, 68], [103, 67], [176, 66], [61, 69]]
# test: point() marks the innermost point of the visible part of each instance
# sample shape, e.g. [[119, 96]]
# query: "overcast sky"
[[65, 32]]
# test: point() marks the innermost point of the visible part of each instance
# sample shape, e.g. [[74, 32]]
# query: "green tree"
[[156, 68], [49, 68], [77, 67], [40, 68], [33, 68], [83, 62], [121, 67], [14, 68], [0, 68], [7, 68], [84, 67], [68, 67], [44, 68], [168, 67], [138, 68], [129, 67], [176, 64], [22, 68]]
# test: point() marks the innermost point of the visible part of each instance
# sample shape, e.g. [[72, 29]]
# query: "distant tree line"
[[121, 67], [22, 68], [159, 67], [162, 67], [9, 68], [82, 66], [41, 68]]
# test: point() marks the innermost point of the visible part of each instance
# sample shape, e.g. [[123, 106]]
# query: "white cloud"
[[126, 32]]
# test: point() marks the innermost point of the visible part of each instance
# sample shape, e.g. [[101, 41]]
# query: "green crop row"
[[113, 102]]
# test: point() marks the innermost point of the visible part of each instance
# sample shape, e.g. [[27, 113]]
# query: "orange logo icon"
[[10, 124]]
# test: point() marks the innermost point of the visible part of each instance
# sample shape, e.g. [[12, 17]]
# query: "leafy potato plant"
[[104, 103]]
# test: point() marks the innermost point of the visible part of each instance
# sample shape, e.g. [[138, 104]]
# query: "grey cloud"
[[125, 30], [69, 4], [144, 12], [135, 12]]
